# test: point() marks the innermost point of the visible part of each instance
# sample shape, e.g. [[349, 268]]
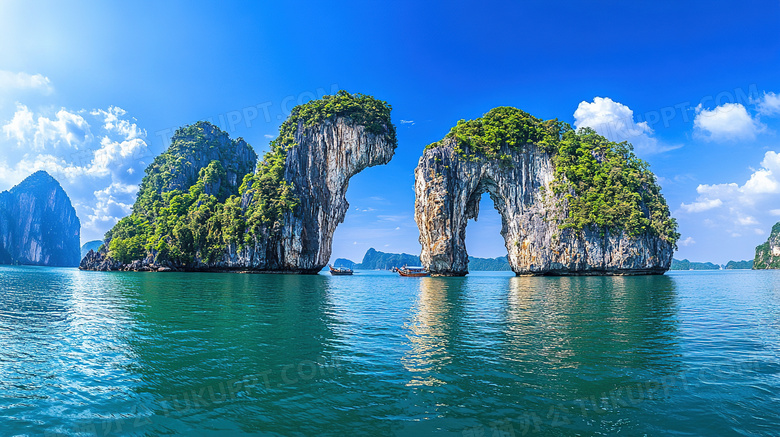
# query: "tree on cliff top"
[[604, 183], [184, 213]]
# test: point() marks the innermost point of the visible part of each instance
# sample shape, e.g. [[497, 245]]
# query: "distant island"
[[90, 245], [693, 265], [38, 224], [376, 260]]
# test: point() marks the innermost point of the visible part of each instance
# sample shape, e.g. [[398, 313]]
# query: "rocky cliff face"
[[768, 254], [38, 224], [319, 168], [449, 187], [316, 163]]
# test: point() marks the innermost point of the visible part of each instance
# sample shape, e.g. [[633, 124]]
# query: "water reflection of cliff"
[[591, 342], [431, 330], [531, 342], [578, 321], [232, 350]]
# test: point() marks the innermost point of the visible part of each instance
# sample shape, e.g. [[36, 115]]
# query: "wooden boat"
[[413, 272], [339, 271]]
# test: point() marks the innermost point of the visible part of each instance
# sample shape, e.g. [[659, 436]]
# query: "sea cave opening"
[[483, 234]]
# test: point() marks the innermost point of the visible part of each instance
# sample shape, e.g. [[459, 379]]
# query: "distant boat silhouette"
[[339, 271], [414, 272]]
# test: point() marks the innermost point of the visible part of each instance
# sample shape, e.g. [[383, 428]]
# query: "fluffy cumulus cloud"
[[769, 104], [66, 130], [615, 121], [727, 122], [740, 207], [686, 241], [97, 156], [20, 81]]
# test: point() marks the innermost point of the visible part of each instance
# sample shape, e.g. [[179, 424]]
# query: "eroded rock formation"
[[319, 168], [449, 186], [191, 214], [38, 224]]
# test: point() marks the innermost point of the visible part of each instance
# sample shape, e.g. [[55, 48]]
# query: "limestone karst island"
[[389, 219], [571, 202]]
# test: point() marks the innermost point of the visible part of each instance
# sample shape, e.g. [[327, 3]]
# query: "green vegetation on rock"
[[483, 137], [362, 109], [189, 210], [177, 167], [605, 184], [376, 260], [692, 265], [764, 258], [739, 265], [182, 225]]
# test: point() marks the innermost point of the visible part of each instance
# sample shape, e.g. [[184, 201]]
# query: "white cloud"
[[97, 156], [21, 125], [65, 130], [409, 122], [686, 242], [10, 80], [727, 122], [615, 121], [736, 206], [703, 205], [112, 203], [747, 220], [769, 104], [269, 136]]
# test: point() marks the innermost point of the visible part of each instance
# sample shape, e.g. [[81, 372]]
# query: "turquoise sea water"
[[89, 353]]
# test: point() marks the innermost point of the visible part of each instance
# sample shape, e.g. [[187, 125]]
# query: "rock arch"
[[448, 187]]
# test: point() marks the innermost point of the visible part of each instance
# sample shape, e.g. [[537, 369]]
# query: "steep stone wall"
[[38, 224], [449, 186], [319, 168]]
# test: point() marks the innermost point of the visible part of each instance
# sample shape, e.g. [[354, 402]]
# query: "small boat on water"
[[339, 271], [413, 272]]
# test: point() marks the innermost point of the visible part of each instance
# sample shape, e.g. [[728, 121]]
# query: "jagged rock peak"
[[563, 197], [38, 224], [40, 181], [194, 148]]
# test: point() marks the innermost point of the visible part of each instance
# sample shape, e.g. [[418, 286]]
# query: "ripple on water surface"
[[89, 353]]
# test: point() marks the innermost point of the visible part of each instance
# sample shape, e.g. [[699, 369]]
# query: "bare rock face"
[[449, 186], [319, 168], [38, 224]]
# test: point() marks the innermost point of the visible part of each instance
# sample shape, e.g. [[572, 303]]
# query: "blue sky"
[[91, 92]]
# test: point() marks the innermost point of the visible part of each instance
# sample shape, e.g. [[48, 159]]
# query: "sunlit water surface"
[[89, 353]]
